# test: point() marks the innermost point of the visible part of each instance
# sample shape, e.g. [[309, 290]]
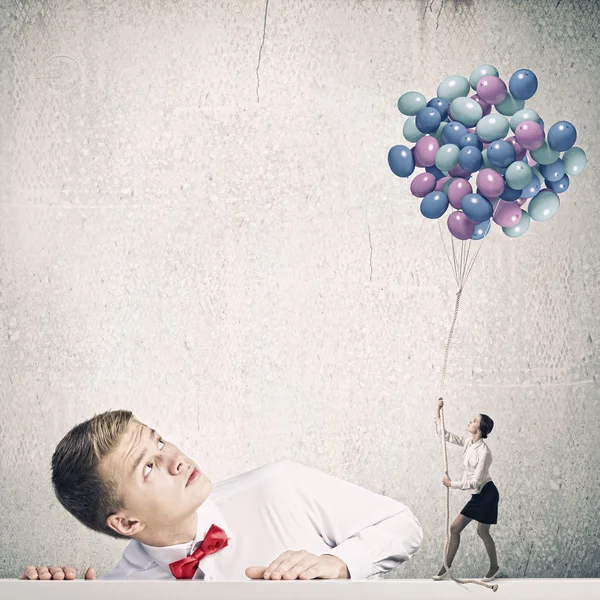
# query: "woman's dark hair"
[[485, 425]]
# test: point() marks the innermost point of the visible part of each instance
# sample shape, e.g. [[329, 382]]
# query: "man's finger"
[[90, 573], [70, 572], [56, 573], [312, 573], [304, 565], [44, 574], [255, 572], [289, 563], [275, 564]]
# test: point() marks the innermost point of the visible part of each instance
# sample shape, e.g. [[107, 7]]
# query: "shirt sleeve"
[[471, 483], [371, 533], [450, 437]]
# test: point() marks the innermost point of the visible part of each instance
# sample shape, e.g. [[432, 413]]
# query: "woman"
[[483, 505]]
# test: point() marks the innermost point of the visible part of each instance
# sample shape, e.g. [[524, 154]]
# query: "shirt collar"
[[477, 443], [208, 514]]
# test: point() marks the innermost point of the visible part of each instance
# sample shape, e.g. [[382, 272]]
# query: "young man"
[[282, 521]]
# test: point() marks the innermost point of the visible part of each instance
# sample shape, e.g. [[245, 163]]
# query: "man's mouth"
[[194, 476]]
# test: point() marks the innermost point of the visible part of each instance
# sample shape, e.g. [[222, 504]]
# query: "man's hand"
[[301, 565], [446, 480], [44, 573]]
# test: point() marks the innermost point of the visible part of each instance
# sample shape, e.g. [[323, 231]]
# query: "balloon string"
[[443, 425]]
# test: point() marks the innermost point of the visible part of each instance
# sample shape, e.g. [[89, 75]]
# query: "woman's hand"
[[446, 480]]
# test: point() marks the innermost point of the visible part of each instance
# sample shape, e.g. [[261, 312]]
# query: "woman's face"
[[473, 426]]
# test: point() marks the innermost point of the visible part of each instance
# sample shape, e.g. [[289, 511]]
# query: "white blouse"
[[477, 459]]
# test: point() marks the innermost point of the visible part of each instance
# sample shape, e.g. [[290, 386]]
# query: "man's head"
[[119, 477]]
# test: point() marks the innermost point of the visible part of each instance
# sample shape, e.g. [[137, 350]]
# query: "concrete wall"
[[198, 223]]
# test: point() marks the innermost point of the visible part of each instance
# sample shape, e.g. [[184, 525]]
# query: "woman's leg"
[[483, 531], [457, 526]]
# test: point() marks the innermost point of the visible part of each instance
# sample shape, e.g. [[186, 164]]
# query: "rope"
[[462, 276]]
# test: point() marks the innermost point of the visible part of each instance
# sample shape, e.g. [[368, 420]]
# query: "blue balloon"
[[532, 189], [541, 122], [477, 208], [501, 154], [434, 205], [428, 119], [560, 186], [435, 172], [453, 132], [562, 136], [510, 195], [401, 161], [470, 159], [523, 84], [481, 230], [470, 139], [441, 106], [553, 172]]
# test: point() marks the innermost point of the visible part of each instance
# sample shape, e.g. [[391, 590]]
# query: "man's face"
[[153, 477]]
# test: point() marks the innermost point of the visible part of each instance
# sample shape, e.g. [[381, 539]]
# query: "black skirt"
[[483, 507]]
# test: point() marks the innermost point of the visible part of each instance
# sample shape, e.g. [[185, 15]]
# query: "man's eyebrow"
[[138, 460]]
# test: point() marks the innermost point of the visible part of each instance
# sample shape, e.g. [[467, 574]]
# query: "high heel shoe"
[[487, 579], [440, 577]]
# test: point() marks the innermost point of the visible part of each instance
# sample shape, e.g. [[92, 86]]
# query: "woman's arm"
[[450, 437]]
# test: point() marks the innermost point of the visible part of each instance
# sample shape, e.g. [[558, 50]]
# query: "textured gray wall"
[[198, 223]]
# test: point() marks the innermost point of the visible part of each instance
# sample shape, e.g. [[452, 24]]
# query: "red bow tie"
[[215, 540]]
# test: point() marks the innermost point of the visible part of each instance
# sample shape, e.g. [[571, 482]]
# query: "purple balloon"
[[522, 201], [440, 184], [530, 135], [457, 190], [508, 214], [425, 149], [460, 226], [458, 171], [512, 140], [491, 89], [490, 183], [487, 108], [422, 184]]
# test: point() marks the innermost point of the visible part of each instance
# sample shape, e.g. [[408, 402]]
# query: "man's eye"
[[160, 441]]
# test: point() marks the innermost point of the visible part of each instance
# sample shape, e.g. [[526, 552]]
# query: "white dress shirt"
[[286, 506], [477, 458]]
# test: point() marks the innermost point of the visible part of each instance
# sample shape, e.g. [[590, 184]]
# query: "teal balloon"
[[544, 205], [446, 157], [466, 111], [411, 103], [509, 106], [447, 185], [479, 72], [410, 131], [574, 160], [544, 155], [520, 228], [492, 127], [438, 134], [527, 114], [453, 87], [518, 175], [486, 161]]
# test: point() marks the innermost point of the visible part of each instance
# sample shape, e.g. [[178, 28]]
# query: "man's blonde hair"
[[80, 487]]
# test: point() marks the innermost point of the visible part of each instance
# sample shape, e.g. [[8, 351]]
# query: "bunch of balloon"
[[485, 158]]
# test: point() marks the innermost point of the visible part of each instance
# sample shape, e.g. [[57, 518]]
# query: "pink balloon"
[[425, 149], [422, 184], [440, 184], [460, 226], [522, 201], [508, 214], [457, 190], [458, 171], [490, 183], [491, 89], [532, 162], [512, 140], [487, 109], [530, 135]]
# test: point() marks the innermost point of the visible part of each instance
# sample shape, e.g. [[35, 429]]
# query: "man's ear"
[[123, 525]]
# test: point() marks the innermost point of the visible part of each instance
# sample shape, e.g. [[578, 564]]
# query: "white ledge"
[[388, 589]]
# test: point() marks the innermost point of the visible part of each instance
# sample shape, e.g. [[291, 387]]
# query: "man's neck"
[[171, 535]]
